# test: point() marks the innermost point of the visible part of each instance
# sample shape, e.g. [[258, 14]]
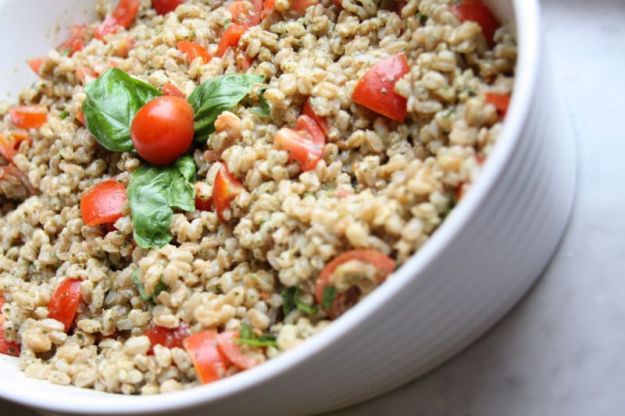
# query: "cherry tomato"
[[6, 347], [476, 11], [230, 38], [375, 90], [193, 51], [344, 300], [122, 17], [29, 116], [268, 8], [225, 188], [76, 41], [9, 145], [162, 130], [171, 90], [321, 121], [500, 101], [166, 6], [208, 362], [36, 63], [167, 337], [103, 203], [305, 145], [226, 342], [65, 301]]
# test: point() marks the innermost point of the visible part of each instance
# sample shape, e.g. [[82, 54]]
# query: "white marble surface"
[[560, 351]]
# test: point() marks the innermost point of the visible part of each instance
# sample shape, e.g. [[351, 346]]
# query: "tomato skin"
[[208, 362], [321, 121], [6, 347], [375, 90], [65, 301], [29, 116], [193, 51], [478, 12], [226, 342], [80, 116], [300, 6], [103, 203], [382, 262], [230, 38], [305, 145], [268, 8], [76, 41], [166, 6], [10, 145], [500, 101], [36, 63], [171, 90], [167, 337], [162, 130], [225, 188], [122, 17]]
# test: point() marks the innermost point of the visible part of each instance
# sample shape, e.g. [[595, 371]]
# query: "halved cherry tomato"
[[321, 121], [162, 130], [375, 90], [103, 203], [36, 63], [171, 90], [246, 13], [225, 189], [300, 6], [166, 6], [122, 17], [10, 144], [84, 72], [193, 51], [208, 362], [305, 145], [29, 116], [77, 38], [80, 116], [6, 347], [167, 337], [343, 301], [64, 302], [230, 38], [500, 101], [478, 12], [268, 8], [226, 342]]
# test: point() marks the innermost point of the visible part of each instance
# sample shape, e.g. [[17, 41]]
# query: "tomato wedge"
[[80, 116], [103, 204], [29, 116], [230, 38], [36, 63], [193, 51], [344, 300], [167, 337], [171, 90], [500, 101], [208, 362], [75, 42], [375, 90], [6, 347], [300, 6], [321, 121], [64, 302], [226, 342], [122, 17], [246, 13], [166, 6], [9, 145], [478, 12], [305, 145], [225, 189]]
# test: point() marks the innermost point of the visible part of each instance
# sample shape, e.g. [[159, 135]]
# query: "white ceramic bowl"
[[475, 267]]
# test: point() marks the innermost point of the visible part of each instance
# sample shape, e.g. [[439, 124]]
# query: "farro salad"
[[194, 187]]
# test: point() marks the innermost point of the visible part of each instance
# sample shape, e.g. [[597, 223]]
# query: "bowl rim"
[[528, 38]]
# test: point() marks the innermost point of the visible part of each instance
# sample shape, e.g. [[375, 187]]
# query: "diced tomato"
[[500, 101], [171, 90], [342, 301], [321, 121], [167, 337], [76, 42], [6, 347], [230, 38], [300, 6], [29, 116], [305, 145], [36, 63], [11, 143], [123, 47], [208, 362], [226, 342], [202, 204], [193, 51], [375, 90], [225, 189], [166, 6], [243, 61], [122, 17], [246, 13], [80, 116], [268, 8], [65, 301], [103, 203], [84, 73], [478, 12]]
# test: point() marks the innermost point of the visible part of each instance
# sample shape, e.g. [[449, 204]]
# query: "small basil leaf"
[[146, 297], [217, 95], [153, 192], [112, 102], [305, 308], [329, 293], [288, 300], [263, 109], [247, 337]]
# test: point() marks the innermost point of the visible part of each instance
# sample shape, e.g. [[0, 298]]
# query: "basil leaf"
[[305, 308], [153, 192], [290, 301], [263, 109], [247, 337], [112, 102], [329, 293], [146, 297], [217, 95]]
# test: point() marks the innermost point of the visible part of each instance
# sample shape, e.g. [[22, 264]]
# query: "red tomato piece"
[[10, 145], [375, 90], [162, 130], [226, 342], [65, 301], [478, 12], [225, 189], [305, 145], [208, 362], [29, 116], [246, 13], [230, 38], [500, 101], [243, 62], [166, 6], [76, 42], [342, 301], [36, 63], [103, 203], [80, 116], [321, 121], [268, 8], [171, 90], [122, 17], [300, 6], [167, 337], [6, 347], [193, 51], [202, 204]]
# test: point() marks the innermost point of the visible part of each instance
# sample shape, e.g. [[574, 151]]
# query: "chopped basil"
[[291, 301], [160, 286], [153, 192], [329, 293], [247, 337], [263, 109], [111, 104], [217, 95], [63, 115]]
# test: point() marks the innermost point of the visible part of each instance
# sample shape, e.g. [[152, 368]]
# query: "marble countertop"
[[559, 352]]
